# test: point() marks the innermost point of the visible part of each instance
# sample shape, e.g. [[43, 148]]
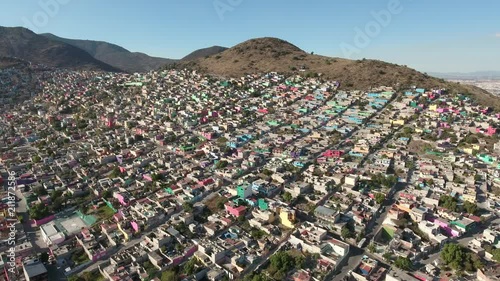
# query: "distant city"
[[490, 85]]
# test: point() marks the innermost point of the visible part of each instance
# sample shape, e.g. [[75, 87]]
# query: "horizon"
[[387, 30]]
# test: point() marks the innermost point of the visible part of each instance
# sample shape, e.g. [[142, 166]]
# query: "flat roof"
[[35, 269], [72, 225], [49, 229]]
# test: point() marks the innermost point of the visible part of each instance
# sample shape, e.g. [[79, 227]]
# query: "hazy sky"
[[429, 35]]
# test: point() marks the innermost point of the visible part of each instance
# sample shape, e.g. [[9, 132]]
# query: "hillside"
[[263, 55], [22, 43], [7, 62], [115, 55], [201, 53]]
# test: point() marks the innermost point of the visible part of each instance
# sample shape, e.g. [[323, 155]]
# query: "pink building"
[[333, 153], [236, 211], [206, 181], [208, 135]]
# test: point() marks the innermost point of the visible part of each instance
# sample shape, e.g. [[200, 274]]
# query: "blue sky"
[[429, 35]]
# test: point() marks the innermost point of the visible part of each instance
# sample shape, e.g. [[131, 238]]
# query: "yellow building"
[[400, 122], [361, 148], [468, 150], [433, 107], [125, 232], [287, 217], [469, 195]]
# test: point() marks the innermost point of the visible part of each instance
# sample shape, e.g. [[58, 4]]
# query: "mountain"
[[7, 62], [201, 53], [262, 55], [115, 55], [18, 42], [478, 75]]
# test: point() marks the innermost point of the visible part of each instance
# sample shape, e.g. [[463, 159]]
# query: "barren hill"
[[18, 42], [201, 53], [114, 55], [263, 55]]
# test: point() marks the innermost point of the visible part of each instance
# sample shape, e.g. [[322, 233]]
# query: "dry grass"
[[213, 202], [270, 54]]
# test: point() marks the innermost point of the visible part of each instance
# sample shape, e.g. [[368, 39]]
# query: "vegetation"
[[79, 256], [383, 180], [403, 263], [459, 258], [493, 251], [39, 211], [170, 275], [188, 207], [372, 248], [470, 207], [379, 198], [346, 232], [282, 262], [287, 196], [190, 266], [87, 276], [257, 233], [449, 203]]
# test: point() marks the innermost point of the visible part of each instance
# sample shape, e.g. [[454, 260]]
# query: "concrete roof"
[[35, 269]]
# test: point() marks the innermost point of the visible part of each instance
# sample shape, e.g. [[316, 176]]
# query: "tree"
[[284, 262], [241, 218], [107, 194], [403, 263], [115, 172], [453, 255], [57, 203], [470, 208], [169, 275], [448, 202], [156, 177], [56, 194], [387, 256], [345, 232], [257, 234], [287, 196], [220, 205], [496, 254], [44, 257], [41, 191], [188, 207], [379, 198], [190, 266], [39, 211], [372, 248], [36, 159], [221, 164]]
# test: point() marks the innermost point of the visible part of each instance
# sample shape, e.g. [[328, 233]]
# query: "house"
[[489, 273], [235, 210], [34, 270], [51, 235], [287, 217], [491, 236], [244, 191], [418, 214], [326, 216], [464, 224]]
